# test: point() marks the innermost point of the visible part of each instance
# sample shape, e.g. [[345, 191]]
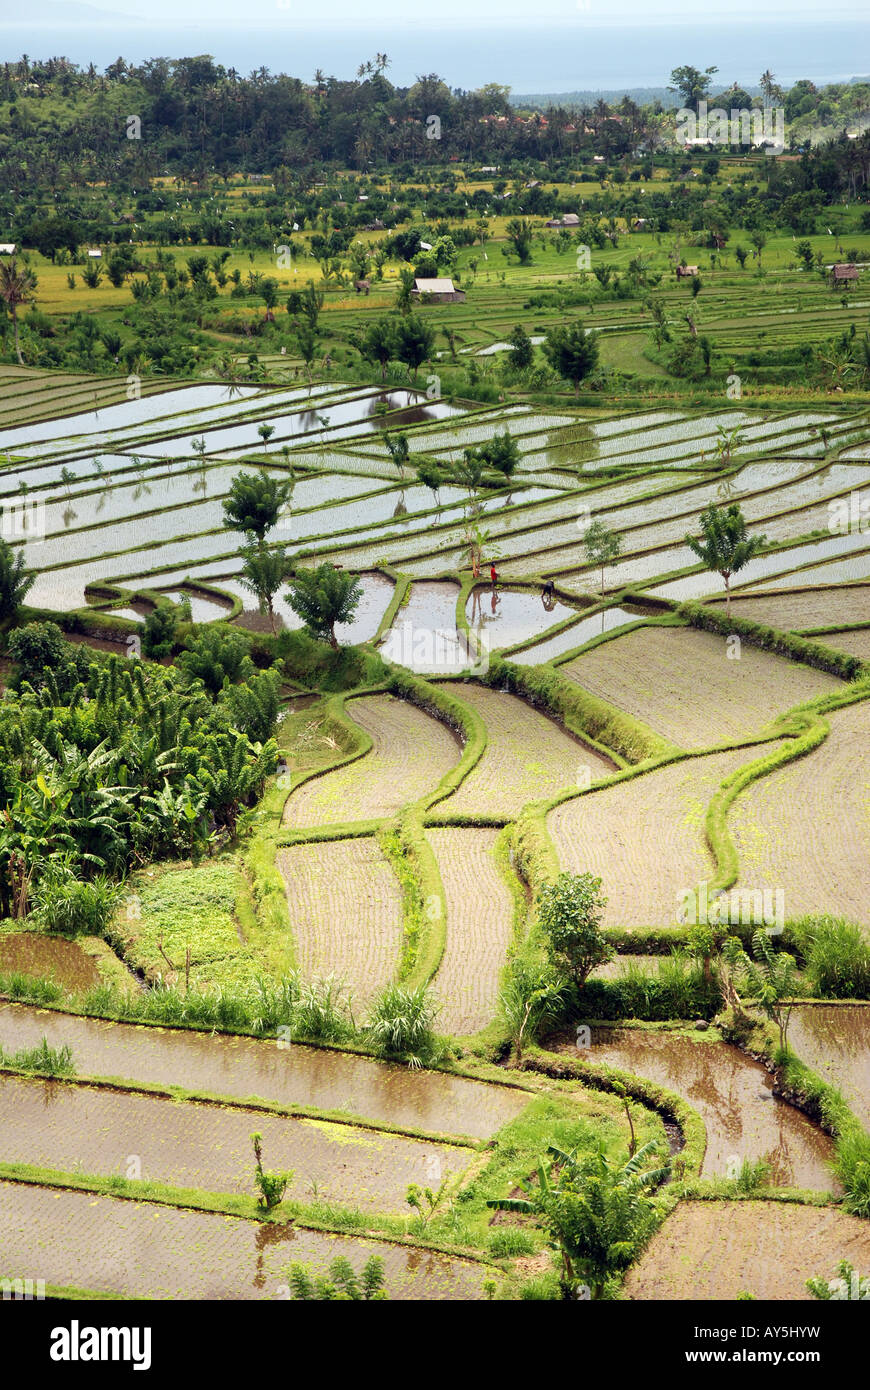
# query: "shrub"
[[158, 639], [529, 999], [342, 1283], [569, 916], [217, 656]]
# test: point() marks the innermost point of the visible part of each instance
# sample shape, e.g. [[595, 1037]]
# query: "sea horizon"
[[587, 56]]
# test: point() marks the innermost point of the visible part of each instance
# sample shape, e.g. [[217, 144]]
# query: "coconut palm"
[[16, 288]]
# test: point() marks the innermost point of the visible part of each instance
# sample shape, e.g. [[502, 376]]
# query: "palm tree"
[[15, 580], [16, 287], [597, 1211], [725, 546]]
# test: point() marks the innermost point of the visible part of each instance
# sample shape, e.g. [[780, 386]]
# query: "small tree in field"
[[569, 915], [572, 352], [501, 453], [272, 1186], [255, 503], [770, 979], [323, 597], [725, 545], [262, 575], [602, 547]]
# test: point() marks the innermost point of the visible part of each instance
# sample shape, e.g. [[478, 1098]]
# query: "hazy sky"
[[268, 14]]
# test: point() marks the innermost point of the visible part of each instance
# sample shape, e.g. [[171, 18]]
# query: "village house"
[[440, 290], [685, 272]]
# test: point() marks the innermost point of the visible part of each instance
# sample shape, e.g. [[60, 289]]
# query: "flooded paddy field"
[[244, 1069], [123, 1247], [79, 1128], [732, 1094]]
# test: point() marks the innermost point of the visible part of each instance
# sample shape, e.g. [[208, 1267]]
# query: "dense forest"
[[61, 126]]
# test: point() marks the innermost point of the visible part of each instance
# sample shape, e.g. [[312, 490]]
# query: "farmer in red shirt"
[[493, 576]]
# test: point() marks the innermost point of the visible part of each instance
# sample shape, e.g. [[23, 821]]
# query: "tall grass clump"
[[836, 957], [321, 1014], [852, 1167], [400, 1025], [30, 989], [42, 1060], [65, 904]]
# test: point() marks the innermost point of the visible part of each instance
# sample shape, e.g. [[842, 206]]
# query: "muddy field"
[[528, 756], [479, 916], [75, 1128], [684, 684], [731, 1093], [123, 1247], [805, 829], [713, 1250], [645, 837], [345, 909], [856, 642], [410, 753], [243, 1069]]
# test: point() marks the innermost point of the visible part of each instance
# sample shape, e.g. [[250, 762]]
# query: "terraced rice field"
[[731, 1093], [684, 684], [345, 910], [479, 919], [718, 1250], [801, 611], [528, 756], [856, 642], [822, 803], [410, 753], [47, 957], [242, 1069], [645, 837], [122, 1247], [70, 1127]]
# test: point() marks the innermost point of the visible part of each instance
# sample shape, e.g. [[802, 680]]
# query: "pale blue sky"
[[268, 14]]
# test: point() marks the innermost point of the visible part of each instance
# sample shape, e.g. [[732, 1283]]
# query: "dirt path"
[[683, 683], [244, 1069], [717, 1250], [731, 1093], [150, 1251], [86, 1128], [645, 837], [479, 915], [345, 912], [806, 828], [411, 752], [528, 756]]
